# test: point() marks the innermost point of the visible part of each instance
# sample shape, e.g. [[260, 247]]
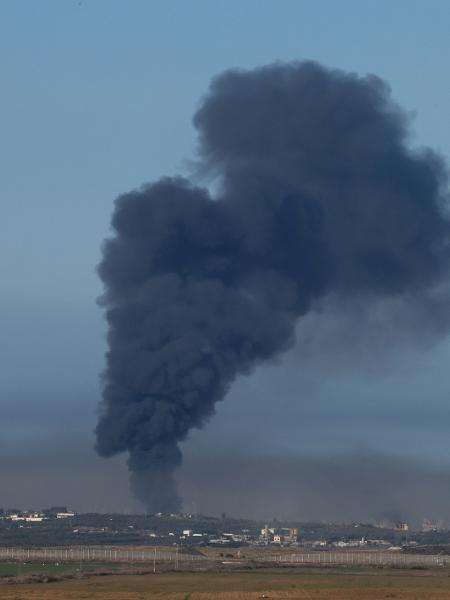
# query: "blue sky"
[[97, 98]]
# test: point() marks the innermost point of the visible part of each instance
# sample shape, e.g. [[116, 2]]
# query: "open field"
[[19, 569], [282, 585]]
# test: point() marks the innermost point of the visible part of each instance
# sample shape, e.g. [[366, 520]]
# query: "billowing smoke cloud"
[[319, 194]]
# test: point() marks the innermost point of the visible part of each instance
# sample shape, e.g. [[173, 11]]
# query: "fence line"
[[373, 558], [148, 555], [88, 553]]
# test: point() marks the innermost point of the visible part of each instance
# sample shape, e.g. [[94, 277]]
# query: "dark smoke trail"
[[319, 193]]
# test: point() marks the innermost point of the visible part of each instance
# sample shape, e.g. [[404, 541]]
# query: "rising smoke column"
[[319, 194]]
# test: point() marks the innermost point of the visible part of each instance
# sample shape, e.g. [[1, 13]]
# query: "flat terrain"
[[18, 569], [243, 585]]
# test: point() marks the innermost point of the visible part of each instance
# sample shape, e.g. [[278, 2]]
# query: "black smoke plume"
[[319, 193]]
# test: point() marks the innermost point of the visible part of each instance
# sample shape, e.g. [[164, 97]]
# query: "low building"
[[34, 518], [277, 538]]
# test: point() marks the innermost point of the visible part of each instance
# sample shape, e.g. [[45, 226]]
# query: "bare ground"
[[271, 585]]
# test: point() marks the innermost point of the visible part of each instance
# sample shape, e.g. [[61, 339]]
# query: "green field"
[[19, 569]]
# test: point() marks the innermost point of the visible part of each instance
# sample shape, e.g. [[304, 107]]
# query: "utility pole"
[[154, 562]]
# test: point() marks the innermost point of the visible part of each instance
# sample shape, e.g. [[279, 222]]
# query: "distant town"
[[61, 525]]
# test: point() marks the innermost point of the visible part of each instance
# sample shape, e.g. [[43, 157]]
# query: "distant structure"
[[28, 517], [67, 514], [283, 536], [293, 533], [429, 525], [36, 517], [58, 512]]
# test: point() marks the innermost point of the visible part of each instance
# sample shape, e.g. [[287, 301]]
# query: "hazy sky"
[[97, 98]]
